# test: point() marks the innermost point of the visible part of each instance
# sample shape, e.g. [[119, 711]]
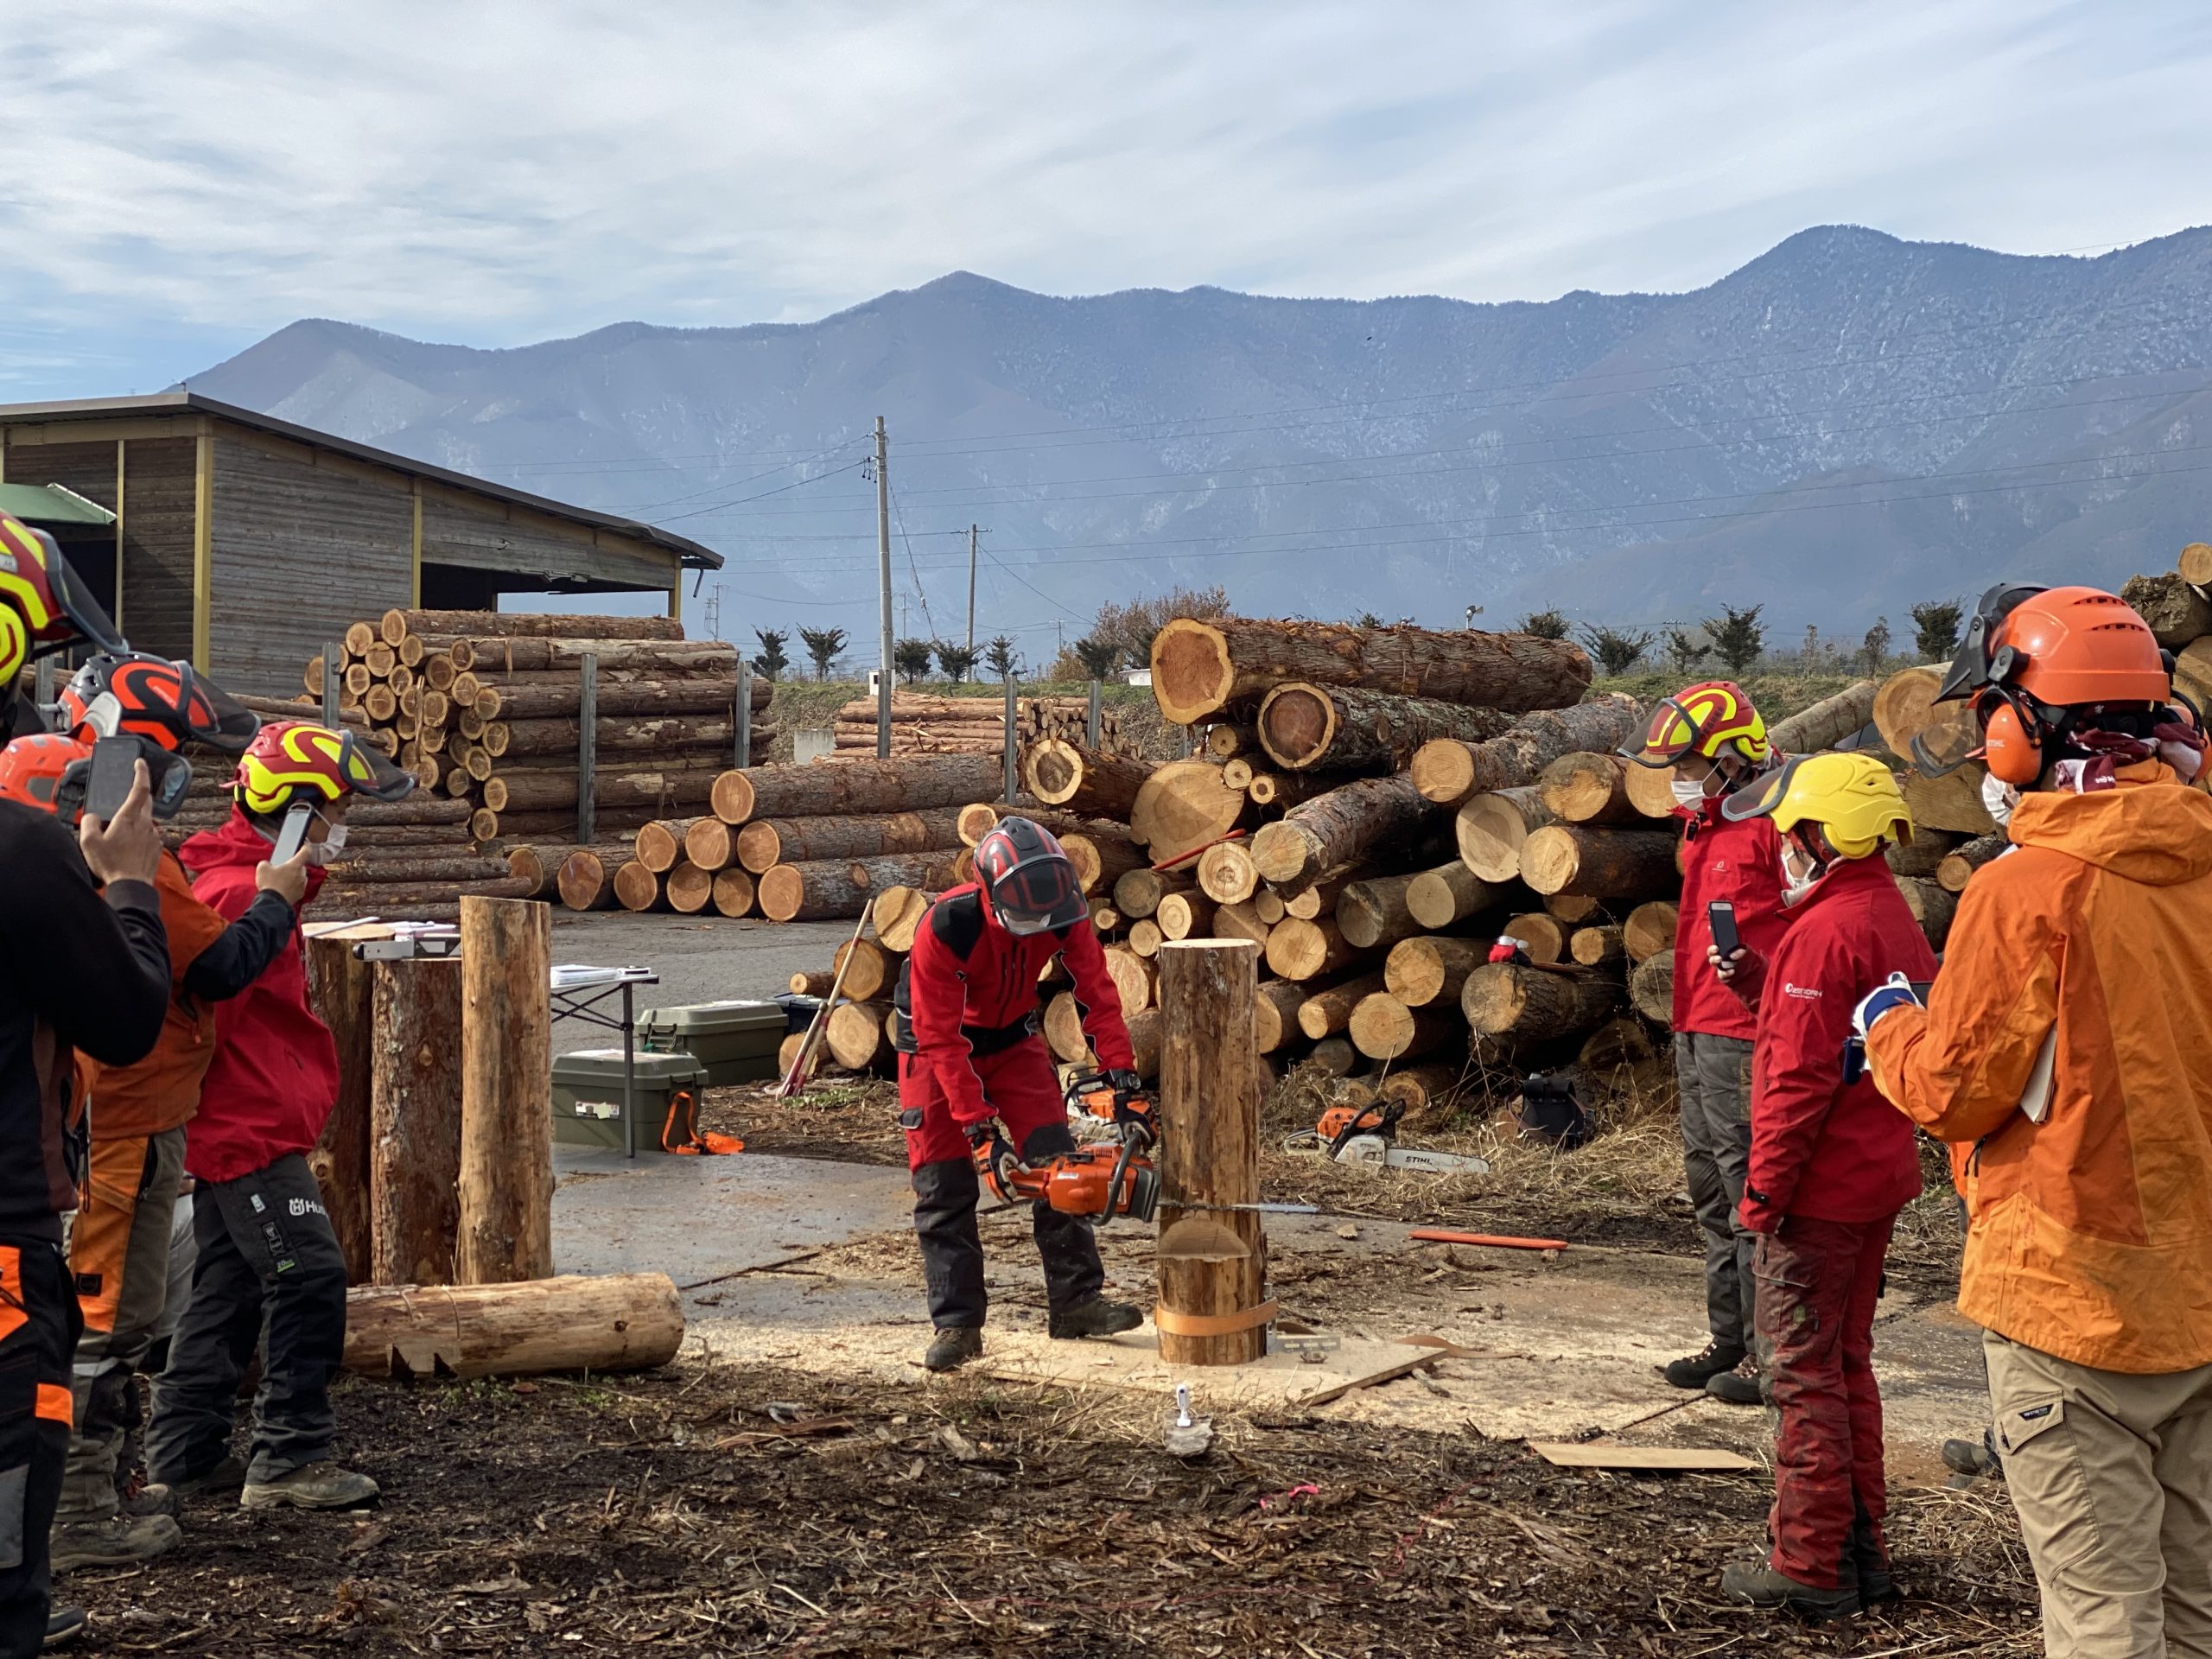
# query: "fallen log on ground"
[[621, 1322]]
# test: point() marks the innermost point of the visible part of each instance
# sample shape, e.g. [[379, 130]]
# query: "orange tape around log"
[[1211, 1324], [1495, 1240]]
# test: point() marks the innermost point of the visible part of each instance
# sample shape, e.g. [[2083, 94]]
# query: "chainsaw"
[[1368, 1136], [1096, 1182]]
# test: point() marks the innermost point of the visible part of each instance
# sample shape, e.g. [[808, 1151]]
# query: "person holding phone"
[[268, 1268], [1831, 1165], [1716, 743]]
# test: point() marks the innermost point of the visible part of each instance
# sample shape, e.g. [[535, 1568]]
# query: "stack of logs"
[[484, 707], [977, 725]]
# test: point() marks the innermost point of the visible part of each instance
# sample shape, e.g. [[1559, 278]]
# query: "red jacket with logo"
[[1741, 864], [274, 1075], [969, 986], [1820, 1148]]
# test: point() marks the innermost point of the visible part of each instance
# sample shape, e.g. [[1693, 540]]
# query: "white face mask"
[[1688, 792], [1794, 885], [1998, 798], [321, 852]]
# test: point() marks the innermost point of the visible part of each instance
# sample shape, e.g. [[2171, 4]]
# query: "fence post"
[[1090, 720], [1013, 777], [744, 714], [588, 750], [331, 653]]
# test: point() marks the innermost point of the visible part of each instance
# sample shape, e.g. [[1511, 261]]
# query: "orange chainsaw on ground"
[[1098, 1182]]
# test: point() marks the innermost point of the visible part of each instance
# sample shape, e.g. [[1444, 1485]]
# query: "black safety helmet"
[[1028, 879]]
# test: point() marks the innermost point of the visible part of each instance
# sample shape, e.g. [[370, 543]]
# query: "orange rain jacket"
[[2090, 1236]]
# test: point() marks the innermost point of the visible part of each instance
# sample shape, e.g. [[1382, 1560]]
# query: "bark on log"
[[1064, 1033], [1137, 892], [415, 809], [894, 915], [977, 820], [1384, 1028], [1827, 722], [1650, 931], [656, 790], [1301, 949], [638, 889], [1535, 1005], [1211, 1083], [1350, 728], [855, 1036], [1923, 855], [1198, 667], [610, 735], [1492, 828], [1374, 915], [1651, 988], [1449, 771], [1334, 1056], [1186, 916], [587, 877], [1274, 1015], [1593, 946], [1932, 906], [415, 1121], [1223, 742], [1288, 789], [491, 655], [1651, 790], [1182, 806], [1587, 788], [1444, 897], [711, 843], [507, 1133], [688, 888], [1541, 935], [1145, 936], [1082, 780], [412, 866], [735, 892], [766, 842], [846, 788], [486, 826], [2193, 672], [2177, 614], [1420, 971], [1599, 863], [384, 898], [1226, 874], [1145, 1030], [1958, 867], [1312, 902], [341, 987], [1102, 861], [1905, 708], [540, 866], [1240, 922], [1337, 827], [523, 705], [836, 887], [1327, 1010], [396, 625], [620, 1322], [1952, 801], [814, 983]]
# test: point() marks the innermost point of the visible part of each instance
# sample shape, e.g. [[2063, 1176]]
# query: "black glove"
[[1133, 1107], [993, 1156]]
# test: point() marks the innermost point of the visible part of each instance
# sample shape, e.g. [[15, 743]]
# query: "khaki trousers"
[[2112, 1476]]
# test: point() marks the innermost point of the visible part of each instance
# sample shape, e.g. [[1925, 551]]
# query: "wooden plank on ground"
[[1613, 1454]]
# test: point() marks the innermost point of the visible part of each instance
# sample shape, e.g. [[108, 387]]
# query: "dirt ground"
[[679, 1512]]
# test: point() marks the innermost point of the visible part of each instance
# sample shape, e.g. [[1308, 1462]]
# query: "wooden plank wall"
[[305, 541], [487, 535], [156, 601]]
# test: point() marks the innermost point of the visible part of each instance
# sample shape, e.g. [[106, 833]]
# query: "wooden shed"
[[244, 542]]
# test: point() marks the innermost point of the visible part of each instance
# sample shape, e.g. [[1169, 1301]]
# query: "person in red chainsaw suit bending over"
[[970, 1059]]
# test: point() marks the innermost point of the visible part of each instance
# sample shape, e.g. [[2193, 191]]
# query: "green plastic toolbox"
[[735, 1040], [588, 1095]]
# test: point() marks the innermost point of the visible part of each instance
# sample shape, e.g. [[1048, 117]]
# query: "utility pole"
[[883, 583], [971, 588]]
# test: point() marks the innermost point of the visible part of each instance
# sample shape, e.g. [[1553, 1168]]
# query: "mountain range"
[[1845, 425]]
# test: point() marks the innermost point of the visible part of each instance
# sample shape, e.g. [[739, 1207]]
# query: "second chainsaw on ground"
[[1368, 1136]]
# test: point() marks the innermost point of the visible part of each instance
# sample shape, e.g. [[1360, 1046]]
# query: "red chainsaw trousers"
[[1818, 1283], [1018, 1083]]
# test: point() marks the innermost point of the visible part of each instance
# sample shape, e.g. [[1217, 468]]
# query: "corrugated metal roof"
[[49, 504], [691, 554]]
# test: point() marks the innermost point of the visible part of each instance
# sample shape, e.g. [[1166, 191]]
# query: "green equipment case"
[[735, 1040], [588, 1095]]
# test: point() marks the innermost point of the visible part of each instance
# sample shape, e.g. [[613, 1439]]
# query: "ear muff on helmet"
[[2012, 746]]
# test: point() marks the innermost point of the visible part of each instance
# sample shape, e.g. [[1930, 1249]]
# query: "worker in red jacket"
[[1716, 743], [268, 1268], [970, 1060], [1832, 1164]]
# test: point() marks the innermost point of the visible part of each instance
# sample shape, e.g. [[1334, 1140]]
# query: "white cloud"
[[496, 172]]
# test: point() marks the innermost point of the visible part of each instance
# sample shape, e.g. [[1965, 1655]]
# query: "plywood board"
[[1613, 1454]]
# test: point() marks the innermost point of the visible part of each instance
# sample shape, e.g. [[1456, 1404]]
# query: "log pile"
[[940, 724]]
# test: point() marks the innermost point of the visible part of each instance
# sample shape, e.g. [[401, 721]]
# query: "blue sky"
[[185, 177]]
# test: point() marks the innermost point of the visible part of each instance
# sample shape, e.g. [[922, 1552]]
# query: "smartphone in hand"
[[114, 770], [1720, 918], [294, 834]]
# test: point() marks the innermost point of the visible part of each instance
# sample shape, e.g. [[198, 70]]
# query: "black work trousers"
[[268, 1271], [945, 1195], [39, 1325]]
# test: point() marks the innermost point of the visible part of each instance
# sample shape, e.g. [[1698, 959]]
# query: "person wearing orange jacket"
[[119, 1240], [1831, 1166], [1716, 742], [2065, 1052]]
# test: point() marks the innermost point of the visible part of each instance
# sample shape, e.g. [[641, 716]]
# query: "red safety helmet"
[[1709, 718], [151, 697], [296, 760], [1029, 883], [43, 605], [2040, 663]]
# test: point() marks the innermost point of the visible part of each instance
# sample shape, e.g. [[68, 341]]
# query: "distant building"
[[245, 542]]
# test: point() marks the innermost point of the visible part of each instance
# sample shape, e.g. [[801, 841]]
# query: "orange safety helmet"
[[293, 759], [162, 702], [43, 605], [1705, 718], [46, 773], [2036, 660]]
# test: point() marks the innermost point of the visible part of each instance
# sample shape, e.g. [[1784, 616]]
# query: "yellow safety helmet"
[[1704, 720], [1851, 798], [291, 759]]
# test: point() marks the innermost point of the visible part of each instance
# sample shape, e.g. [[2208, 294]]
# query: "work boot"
[[953, 1346], [1972, 1460], [218, 1479], [139, 1496], [1095, 1318], [321, 1485], [1693, 1372], [111, 1540], [63, 1626], [1739, 1387], [1876, 1586], [1760, 1585]]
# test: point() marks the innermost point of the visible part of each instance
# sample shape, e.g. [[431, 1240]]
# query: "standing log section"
[[1200, 667], [415, 1121], [1350, 728], [342, 994], [1082, 780], [507, 1065], [1448, 771], [1212, 1263]]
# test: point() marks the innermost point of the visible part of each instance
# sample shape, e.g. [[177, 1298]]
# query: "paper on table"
[[576, 976]]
